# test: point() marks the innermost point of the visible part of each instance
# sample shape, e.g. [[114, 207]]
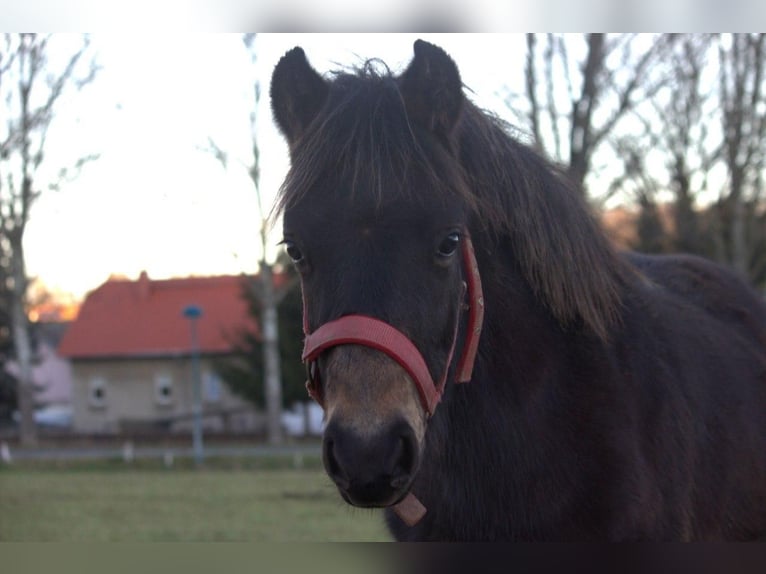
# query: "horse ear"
[[432, 90], [297, 94]]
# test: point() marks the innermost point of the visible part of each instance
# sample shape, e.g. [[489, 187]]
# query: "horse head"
[[376, 222]]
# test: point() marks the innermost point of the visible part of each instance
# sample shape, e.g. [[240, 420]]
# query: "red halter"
[[377, 334]]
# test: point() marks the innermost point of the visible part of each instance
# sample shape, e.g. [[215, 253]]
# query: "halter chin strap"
[[377, 334]]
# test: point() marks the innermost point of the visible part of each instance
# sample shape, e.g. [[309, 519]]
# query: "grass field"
[[97, 504]]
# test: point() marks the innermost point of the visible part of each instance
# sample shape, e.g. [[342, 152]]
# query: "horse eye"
[[449, 244], [293, 252]]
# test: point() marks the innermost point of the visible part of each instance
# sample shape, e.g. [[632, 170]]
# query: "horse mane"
[[362, 135], [561, 249]]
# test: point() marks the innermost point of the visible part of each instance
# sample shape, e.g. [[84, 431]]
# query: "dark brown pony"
[[614, 396]]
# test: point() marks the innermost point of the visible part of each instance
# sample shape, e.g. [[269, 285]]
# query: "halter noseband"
[[377, 334]]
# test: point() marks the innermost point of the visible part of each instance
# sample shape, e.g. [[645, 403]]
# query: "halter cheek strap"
[[377, 334]]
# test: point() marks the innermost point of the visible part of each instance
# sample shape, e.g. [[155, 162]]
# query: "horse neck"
[[523, 341]]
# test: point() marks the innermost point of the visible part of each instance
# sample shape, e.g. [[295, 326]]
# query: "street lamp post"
[[194, 312]]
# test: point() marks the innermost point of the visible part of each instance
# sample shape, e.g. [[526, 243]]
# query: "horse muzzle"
[[371, 470]]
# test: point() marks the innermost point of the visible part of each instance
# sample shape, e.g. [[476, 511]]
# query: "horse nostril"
[[331, 464], [405, 461]]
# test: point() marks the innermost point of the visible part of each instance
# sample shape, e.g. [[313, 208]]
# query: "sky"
[[154, 200]]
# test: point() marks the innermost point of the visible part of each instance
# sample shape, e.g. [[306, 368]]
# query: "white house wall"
[[130, 396]]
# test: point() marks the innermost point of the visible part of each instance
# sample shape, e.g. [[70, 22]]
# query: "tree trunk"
[[22, 346], [739, 255], [581, 142], [719, 219], [271, 360], [687, 237]]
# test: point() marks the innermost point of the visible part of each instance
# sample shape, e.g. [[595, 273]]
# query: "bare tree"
[[742, 65], [674, 111], [578, 89], [683, 133], [263, 286], [32, 89], [639, 184], [8, 382], [673, 151], [699, 126]]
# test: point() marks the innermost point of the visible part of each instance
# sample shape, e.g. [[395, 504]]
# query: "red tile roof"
[[123, 318]]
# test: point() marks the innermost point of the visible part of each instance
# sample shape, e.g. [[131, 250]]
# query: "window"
[[97, 393], [211, 387], [163, 389]]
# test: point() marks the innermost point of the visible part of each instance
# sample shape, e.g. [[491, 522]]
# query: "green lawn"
[[146, 505]]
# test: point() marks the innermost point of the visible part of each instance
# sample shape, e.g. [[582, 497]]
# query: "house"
[[132, 348], [51, 374]]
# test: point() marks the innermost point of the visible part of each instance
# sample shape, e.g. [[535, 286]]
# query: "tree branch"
[[553, 113], [531, 87]]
